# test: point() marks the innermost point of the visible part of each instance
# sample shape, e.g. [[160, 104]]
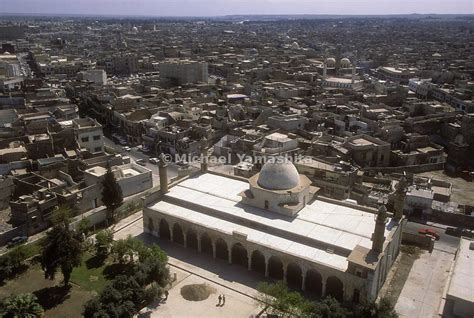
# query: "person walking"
[[166, 294], [223, 299], [220, 299]]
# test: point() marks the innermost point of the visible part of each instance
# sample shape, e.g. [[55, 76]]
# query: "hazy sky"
[[226, 7]]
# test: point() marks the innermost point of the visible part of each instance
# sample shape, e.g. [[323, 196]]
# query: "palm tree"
[[21, 306]]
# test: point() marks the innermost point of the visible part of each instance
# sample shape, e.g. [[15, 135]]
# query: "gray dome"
[[278, 174]]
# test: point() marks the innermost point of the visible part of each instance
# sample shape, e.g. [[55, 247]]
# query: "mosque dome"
[[345, 63], [278, 174], [330, 62], [295, 45]]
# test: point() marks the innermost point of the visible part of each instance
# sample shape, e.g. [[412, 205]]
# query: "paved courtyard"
[[236, 283], [421, 295]]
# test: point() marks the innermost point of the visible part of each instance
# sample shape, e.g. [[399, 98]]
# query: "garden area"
[[98, 276]]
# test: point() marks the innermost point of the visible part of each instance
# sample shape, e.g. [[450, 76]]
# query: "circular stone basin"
[[197, 292]]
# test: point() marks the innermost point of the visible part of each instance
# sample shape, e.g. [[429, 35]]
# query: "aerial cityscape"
[[271, 158]]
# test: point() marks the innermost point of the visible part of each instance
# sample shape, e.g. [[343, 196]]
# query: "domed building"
[[346, 63], [279, 188], [275, 224]]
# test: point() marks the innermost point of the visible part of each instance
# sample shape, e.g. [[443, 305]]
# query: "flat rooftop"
[[328, 224], [462, 280]]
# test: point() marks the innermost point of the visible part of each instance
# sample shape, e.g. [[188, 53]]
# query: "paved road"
[[446, 242]]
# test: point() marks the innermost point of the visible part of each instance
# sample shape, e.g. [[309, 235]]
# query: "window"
[[266, 204], [97, 137], [85, 139]]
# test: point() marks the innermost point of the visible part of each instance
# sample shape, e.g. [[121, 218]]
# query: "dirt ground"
[[463, 191]]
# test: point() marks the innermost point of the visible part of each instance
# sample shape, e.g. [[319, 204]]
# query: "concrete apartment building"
[[89, 135], [178, 72]]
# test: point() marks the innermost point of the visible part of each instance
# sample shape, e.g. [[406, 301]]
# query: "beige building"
[[89, 134], [459, 299], [274, 225]]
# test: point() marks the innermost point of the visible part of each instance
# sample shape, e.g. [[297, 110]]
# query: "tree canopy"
[[61, 250], [112, 196], [21, 306]]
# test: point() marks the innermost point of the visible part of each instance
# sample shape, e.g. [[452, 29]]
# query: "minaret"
[[163, 173], [378, 237], [353, 74], [325, 71], [204, 157], [399, 198]]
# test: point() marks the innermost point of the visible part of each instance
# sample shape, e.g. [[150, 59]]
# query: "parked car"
[[153, 161], [126, 148], [429, 232], [141, 162], [459, 231], [17, 241]]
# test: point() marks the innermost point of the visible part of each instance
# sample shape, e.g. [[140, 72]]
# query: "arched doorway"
[[206, 244], [294, 276], [165, 230], [178, 235], [335, 288], [275, 268], [258, 262], [314, 282], [191, 239], [221, 249], [239, 255]]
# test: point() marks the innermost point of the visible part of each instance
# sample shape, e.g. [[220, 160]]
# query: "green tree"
[[60, 250], [383, 309], [278, 300], [61, 216], [112, 196], [103, 242], [13, 262], [21, 306], [329, 308], [83, 226]]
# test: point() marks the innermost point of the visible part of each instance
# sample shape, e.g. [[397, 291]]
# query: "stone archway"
[[258, 262], [294, 277], [335, 288], [239, 255], [191, 239], [275, 268], [314, 282], [165, 230], [206, 244], [178, 235], [221, 249]]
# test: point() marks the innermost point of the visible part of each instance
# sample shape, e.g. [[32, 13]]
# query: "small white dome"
[[278, 174], [330, 62], [346, 63]]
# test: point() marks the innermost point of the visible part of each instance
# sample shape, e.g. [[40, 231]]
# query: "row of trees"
[[13, 263], [143, 274], [279, 301]]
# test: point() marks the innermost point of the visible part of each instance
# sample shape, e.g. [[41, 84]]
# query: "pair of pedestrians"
[[221, 299]]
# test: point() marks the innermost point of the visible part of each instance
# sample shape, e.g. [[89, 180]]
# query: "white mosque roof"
[[278, 174], [327, 223]]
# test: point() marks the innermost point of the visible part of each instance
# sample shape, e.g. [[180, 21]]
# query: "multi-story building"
[[178, 72], [89, 135]]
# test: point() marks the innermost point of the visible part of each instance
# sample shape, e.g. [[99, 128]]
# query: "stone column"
[[185, 243], [229, 254], [171, 234], [285, 270], [249, 257], [199, 244], [213, 250], [323, 289], [303, 280], [266, 267]]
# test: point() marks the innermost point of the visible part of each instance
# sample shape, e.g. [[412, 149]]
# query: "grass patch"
[[90, 275]]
